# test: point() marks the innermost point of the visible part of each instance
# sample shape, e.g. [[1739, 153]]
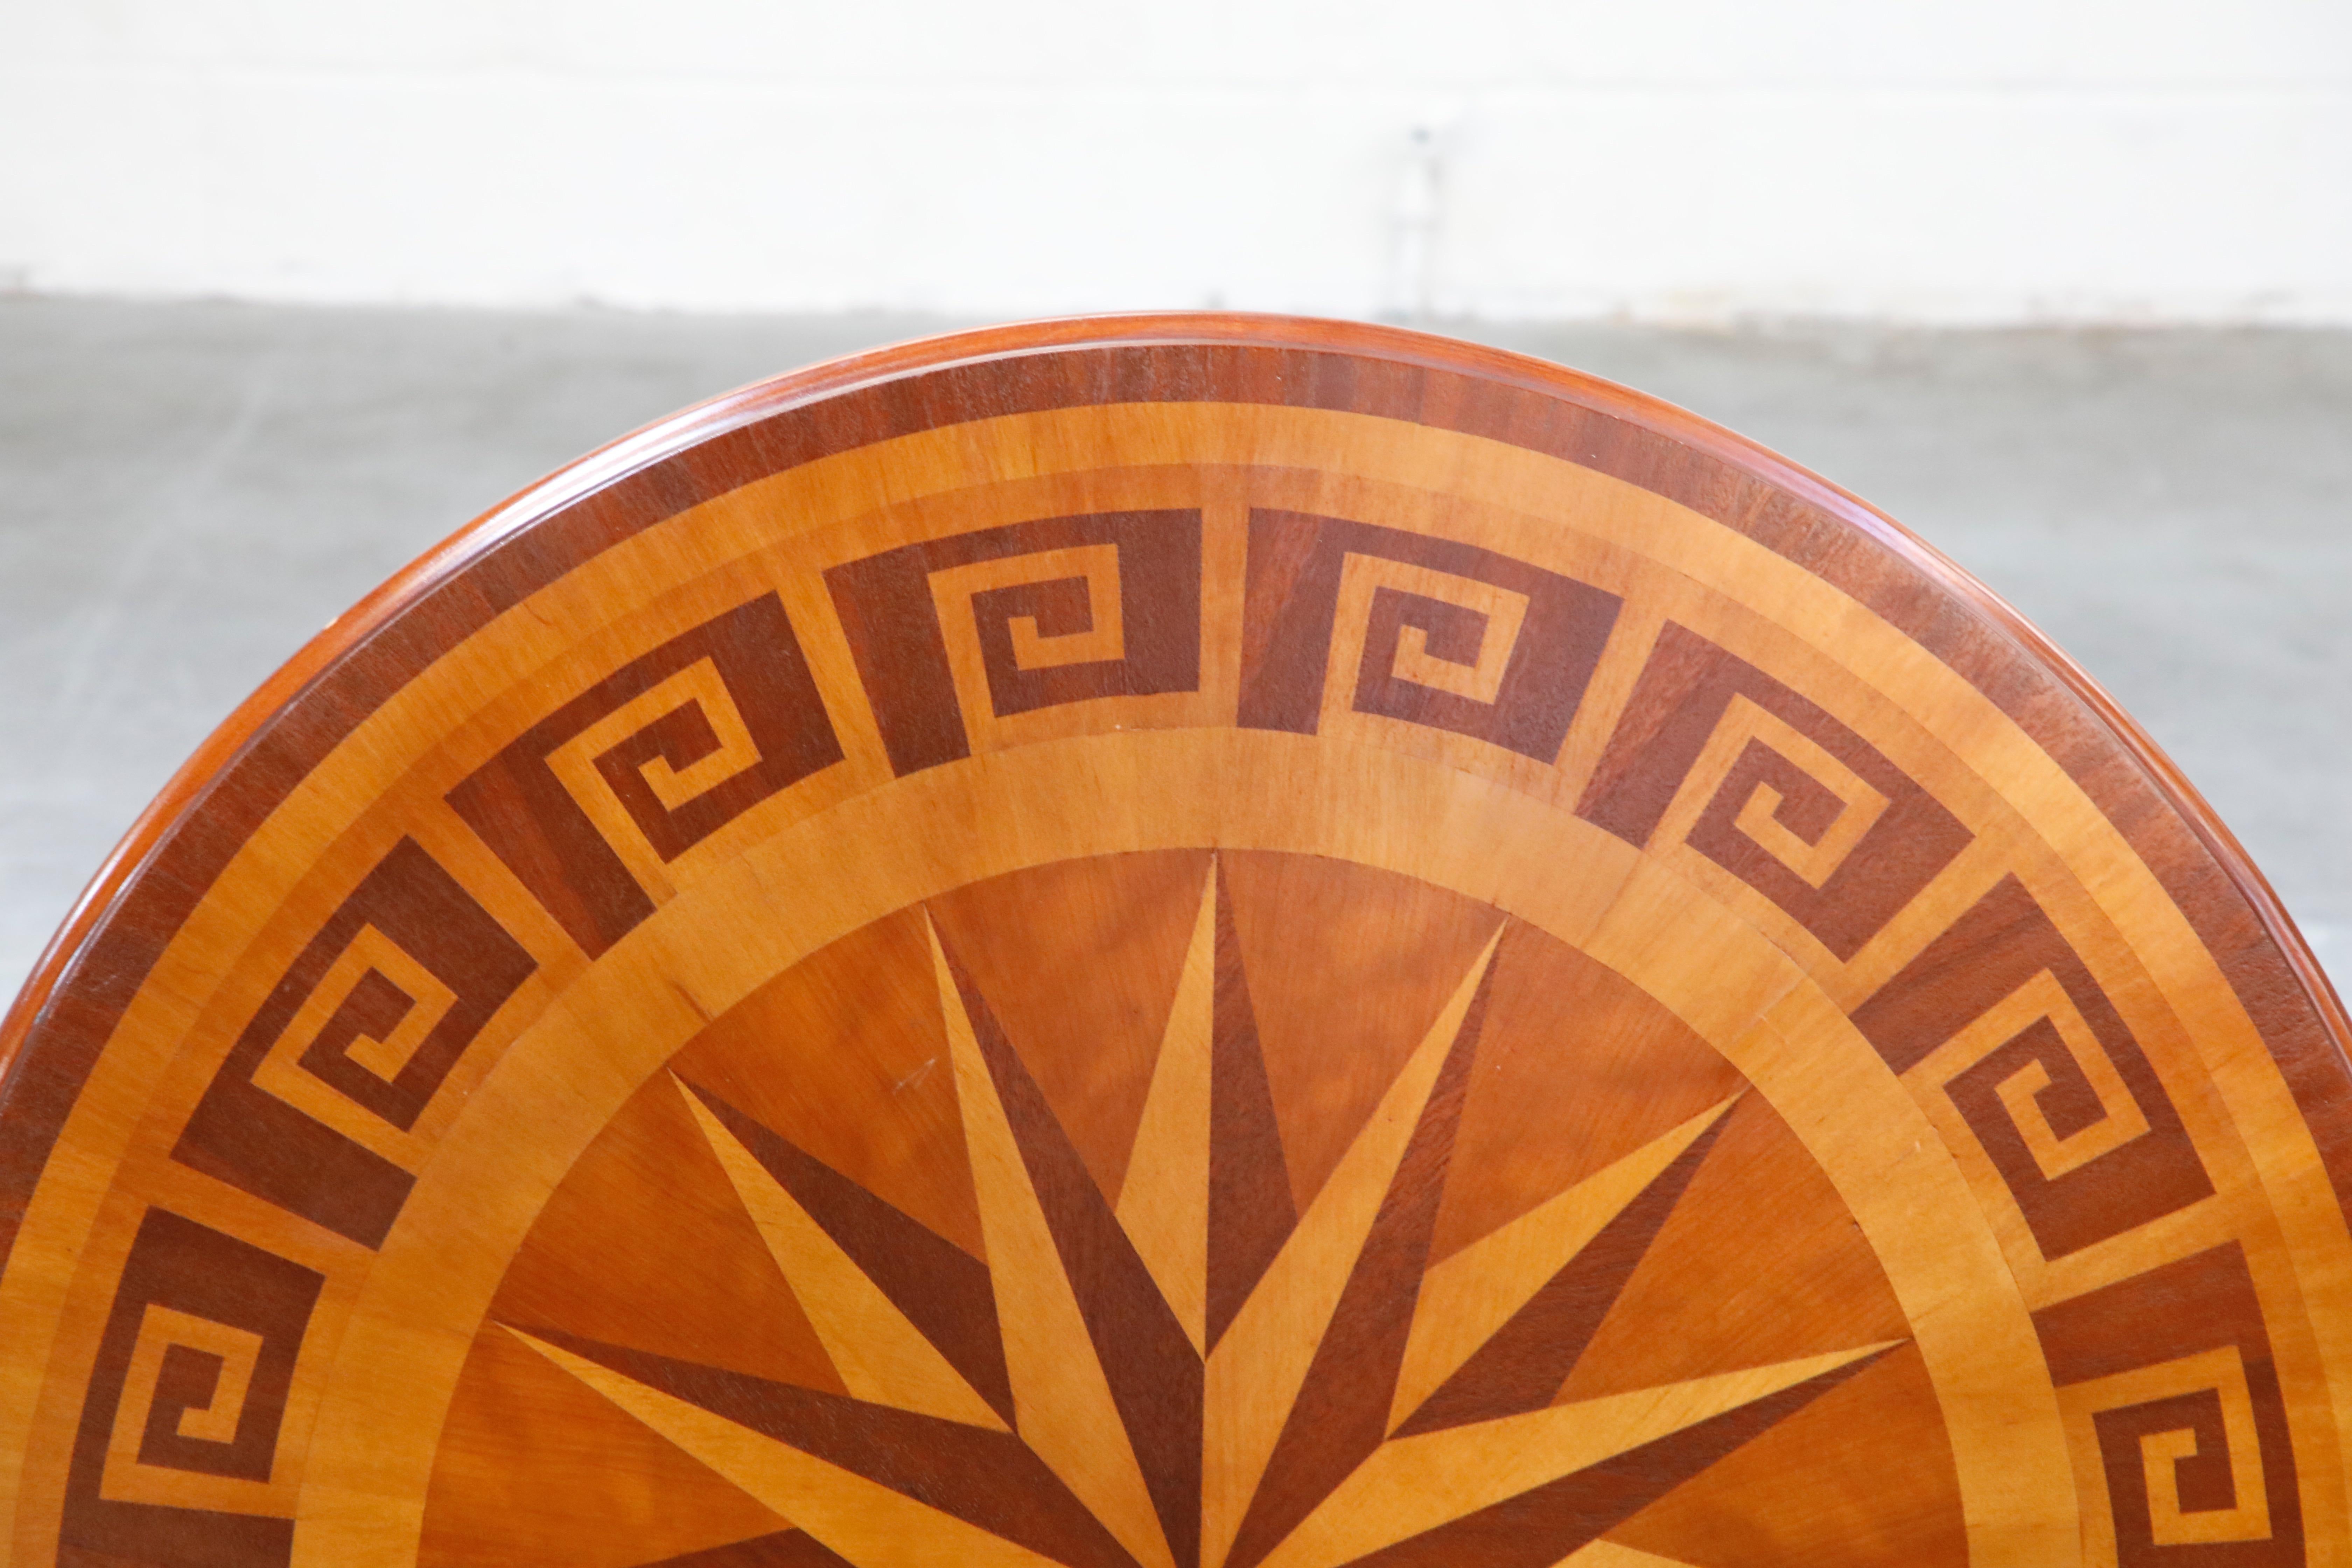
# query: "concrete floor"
[[188, 492]]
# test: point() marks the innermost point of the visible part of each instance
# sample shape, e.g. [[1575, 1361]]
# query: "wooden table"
[[1187, 942]]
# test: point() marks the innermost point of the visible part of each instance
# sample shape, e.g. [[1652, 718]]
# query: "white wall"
[[1996, 159]]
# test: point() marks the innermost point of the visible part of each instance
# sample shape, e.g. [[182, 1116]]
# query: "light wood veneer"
[[1181, 942]]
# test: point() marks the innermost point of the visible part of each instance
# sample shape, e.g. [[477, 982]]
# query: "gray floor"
[[188, 492]]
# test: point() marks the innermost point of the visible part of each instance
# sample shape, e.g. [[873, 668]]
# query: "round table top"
[[1188, 942]]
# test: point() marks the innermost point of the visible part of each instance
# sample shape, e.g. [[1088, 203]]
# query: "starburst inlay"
[[1189, 1371]]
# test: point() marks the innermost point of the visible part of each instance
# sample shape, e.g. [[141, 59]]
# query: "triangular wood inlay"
[[1078, 961], [845, 1054], [778, 1549], [1719, 1290], [1819, 1488], [535, 1468], [1578, 1068], [645, 1243], [1347, 967]]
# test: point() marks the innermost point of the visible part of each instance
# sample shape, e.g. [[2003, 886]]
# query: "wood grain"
[[1189, 941]]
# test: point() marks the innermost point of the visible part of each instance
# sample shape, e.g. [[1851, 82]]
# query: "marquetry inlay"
[[1180, 942]]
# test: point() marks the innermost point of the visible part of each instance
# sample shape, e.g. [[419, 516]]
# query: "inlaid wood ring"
[[1188, 942]]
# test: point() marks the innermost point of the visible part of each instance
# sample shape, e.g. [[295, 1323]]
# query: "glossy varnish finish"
[[1191, 942]]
